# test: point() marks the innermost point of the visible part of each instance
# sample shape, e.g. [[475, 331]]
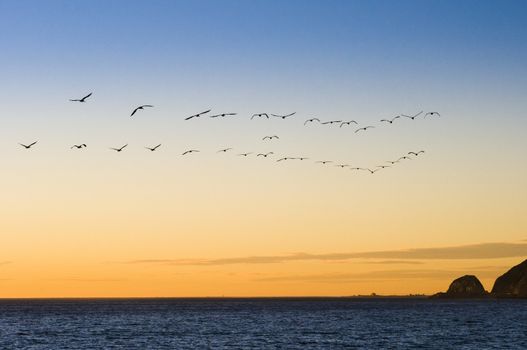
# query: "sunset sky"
[[95, 223]]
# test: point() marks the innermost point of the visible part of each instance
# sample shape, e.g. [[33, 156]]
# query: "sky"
[[97, 223]]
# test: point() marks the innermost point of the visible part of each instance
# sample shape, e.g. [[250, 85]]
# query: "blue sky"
[[298, 39], [369, 59]]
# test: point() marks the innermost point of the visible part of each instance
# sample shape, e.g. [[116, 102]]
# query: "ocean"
[[263, 323]]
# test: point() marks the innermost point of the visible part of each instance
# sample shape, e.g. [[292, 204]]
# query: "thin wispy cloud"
[[465, 252], [384, 275], [75, 279], [393, 262]]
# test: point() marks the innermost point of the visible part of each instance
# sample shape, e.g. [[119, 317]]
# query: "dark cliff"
[[513, 283]]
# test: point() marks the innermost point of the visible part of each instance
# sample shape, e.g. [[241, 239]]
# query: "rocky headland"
[[512, 284]]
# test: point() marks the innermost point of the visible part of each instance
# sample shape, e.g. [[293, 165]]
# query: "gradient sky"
[[100, 223]]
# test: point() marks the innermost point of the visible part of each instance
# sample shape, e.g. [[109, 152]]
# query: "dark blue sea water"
[[263, 324]]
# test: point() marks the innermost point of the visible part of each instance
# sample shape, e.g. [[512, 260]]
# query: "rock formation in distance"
[[513, 283], [467, 286]]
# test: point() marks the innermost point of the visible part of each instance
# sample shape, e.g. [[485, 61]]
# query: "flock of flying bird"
[[341, 124]]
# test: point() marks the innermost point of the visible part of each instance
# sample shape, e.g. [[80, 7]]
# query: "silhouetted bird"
[[81, 99], [285, 158], [264, 154], [341, 165], [79, 146], [432, 114], [198, 115], [222, 115], [403, 158], [260, 115], [412, 116], [153, 148], [28, 146], [224, 150], [392, 162], [416, 153], [312, 120], [390, 120], [284, 116], [371, 171], [119, 149], [245, 154], [364, 128], [301, 158], [331, 122], [189, 151], [324, 161], [347, 123], [355, 168], [140, 108], [270, 137], [383, 166]]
